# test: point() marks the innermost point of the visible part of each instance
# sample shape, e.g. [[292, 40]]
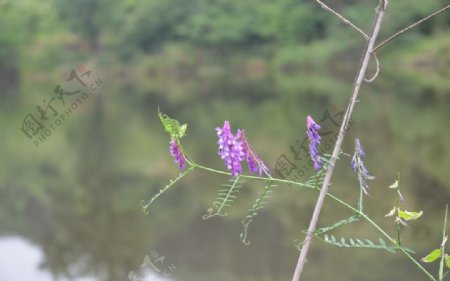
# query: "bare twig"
[[337, 147], [376, 71], [346, 21], [409, 27]]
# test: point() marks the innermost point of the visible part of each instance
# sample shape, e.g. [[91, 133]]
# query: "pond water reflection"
[[70, 208], [21, 260]]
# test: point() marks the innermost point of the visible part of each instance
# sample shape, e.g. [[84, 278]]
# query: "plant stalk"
[[337, 147], [338, 200]]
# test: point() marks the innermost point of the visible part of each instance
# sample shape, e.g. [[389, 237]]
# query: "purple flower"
[[177, 153], [314, 140], [353, 165], [359, 148], [358, 166], [356, 160], [255, 164], [231, 149]]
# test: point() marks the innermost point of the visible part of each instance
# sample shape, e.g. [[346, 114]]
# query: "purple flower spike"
[[359, 148], [255, 164], [177, 154], [231, 149], [354, 165], [314, 140], [359, 153], [358, 166]]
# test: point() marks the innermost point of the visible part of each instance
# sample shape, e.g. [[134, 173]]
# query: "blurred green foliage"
[[132, 26]]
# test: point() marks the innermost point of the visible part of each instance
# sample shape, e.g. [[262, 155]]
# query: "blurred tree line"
[[143, 26]]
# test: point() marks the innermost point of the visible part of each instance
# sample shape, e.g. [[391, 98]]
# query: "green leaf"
[[224, 199], [447, 261], [343, 242], [172, 126], [146, 205], [369, 242], [253, 211], [358, 243], [337, 224], [434, 255], [406, 215]]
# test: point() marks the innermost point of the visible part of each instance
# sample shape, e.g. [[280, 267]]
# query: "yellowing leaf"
[[182, 131], [399, 220], [394, 185], [407, 215], [391, 212], [434, 255]]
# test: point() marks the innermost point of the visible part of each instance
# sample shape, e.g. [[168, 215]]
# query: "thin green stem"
[[444, 240], [360, 202], [445, 222], [252, 177], [361, 187], [186, 155], [338, 200], [164, 189], [398, 223], [387, 236], [317, 180], [260, 201], [431, 277], [397, 209]]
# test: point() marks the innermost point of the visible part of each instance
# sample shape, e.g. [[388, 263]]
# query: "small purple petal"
[[255, 164], [363, 169], [314, 140], [177, 154], [231, 148], [354, 164], [358, 166], [316, 166], [359, 148]]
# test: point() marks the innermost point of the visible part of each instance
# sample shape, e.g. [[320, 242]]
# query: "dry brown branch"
[[410, 27], [346, 21], [337, 147]]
